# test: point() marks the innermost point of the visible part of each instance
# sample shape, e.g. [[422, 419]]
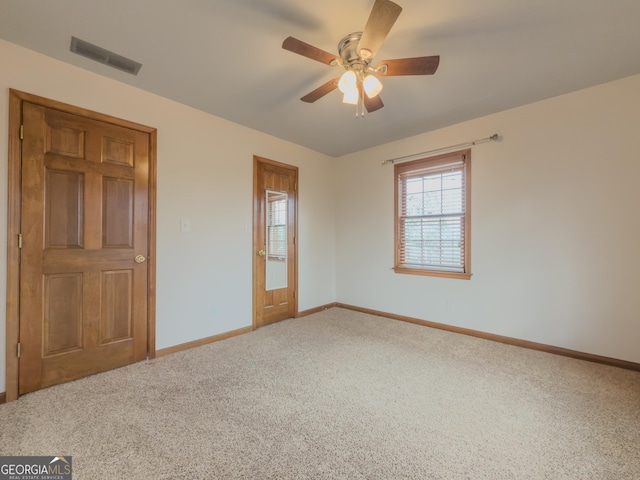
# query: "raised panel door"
[[83, 297], [274, 301]]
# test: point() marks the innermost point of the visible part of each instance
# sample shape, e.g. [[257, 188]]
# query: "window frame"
[[422, 164]]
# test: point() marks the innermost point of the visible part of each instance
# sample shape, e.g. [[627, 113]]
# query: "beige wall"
[[205, 173], [555, 226]]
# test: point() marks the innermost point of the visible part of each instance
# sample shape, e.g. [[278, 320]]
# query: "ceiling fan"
[[359, 83]]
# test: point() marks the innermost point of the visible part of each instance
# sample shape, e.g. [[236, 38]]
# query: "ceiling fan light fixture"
[[372, 86], [360, 83], [347, 81], [351, 96]]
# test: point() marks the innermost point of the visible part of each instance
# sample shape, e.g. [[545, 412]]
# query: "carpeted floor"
[[342, 395]]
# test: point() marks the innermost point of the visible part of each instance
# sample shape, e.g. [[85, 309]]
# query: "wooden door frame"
[[257, 242], [16, 98]]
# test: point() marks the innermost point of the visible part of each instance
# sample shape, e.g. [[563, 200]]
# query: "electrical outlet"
[[451, 304], [185, 225]]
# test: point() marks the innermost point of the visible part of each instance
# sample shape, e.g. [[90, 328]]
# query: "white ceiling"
[[225, 57]]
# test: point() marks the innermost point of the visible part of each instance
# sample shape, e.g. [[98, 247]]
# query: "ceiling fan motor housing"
[[348, 49]]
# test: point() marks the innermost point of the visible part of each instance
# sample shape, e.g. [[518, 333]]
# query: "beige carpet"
[[345, 395]]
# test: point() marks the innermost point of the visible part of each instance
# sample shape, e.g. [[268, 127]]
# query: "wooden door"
[[84, 246], [275, 250]]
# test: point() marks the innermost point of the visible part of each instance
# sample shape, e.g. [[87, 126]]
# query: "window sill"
[[432, 273]]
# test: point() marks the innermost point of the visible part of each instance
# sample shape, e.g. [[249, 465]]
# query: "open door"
[[275, 279]]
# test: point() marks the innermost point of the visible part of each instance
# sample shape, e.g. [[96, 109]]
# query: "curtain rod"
[[492, 138]]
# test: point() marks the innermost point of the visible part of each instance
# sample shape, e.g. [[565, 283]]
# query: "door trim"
[[257, 242], [16, 98]]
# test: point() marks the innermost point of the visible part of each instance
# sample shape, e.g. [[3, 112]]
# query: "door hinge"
[[21, 132], [18, 350], [19, 240]]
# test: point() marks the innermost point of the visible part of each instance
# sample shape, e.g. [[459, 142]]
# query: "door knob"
[[140, 258], [262, 253]]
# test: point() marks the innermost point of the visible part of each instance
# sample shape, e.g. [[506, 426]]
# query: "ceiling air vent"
[[102, 55]]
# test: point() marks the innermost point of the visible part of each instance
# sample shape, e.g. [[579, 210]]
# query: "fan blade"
[[314, 53], [321, 91], [382, 17], [409, 66], [373, 104]]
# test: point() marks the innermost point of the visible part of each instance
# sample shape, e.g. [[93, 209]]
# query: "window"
[[433, 216]]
